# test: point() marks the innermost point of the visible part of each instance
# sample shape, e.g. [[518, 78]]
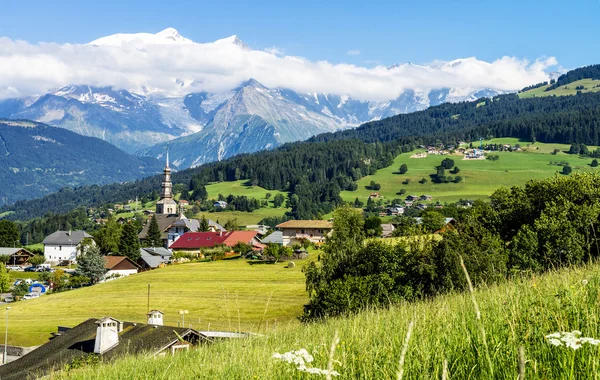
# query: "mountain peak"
[[167, 36], [171, 34], [235, 40]]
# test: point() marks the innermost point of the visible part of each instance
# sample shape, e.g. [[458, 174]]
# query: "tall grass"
[[445, 341]]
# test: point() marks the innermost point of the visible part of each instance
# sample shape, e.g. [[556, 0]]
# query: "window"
[[302, 231], [60, 247]]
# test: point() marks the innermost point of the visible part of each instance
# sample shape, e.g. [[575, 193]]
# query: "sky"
[[359, 32], [325, 46]]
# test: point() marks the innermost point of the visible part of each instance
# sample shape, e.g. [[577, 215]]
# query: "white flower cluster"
[[300, 359], [571, 339]]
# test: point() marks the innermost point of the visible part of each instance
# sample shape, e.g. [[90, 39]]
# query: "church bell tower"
[[166, 205]]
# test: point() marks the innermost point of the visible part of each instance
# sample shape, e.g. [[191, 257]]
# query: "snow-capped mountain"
[[212, 125]]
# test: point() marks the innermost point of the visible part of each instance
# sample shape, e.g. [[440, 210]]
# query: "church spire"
[[166, 205], [167, 158]]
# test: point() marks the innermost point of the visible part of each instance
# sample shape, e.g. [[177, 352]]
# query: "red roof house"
[[192, 241]]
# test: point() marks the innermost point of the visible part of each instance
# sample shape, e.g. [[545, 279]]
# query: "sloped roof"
[[197, 240], [306, 224], [153, 261], [79, 341], [157, 251], [113, 261], [66, 237], [275, 237], [12, 251], [164, 222]]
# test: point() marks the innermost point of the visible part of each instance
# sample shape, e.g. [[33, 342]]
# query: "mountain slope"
[[36, 159]]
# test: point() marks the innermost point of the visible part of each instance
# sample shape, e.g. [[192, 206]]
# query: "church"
[[169, 216]]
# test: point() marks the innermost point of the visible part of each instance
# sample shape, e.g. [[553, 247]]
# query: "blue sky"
[[384, 31]]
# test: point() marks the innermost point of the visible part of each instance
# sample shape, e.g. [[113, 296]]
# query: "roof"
[[197, 240], [152, 260], [446, 220], [166, 221], [157, 251], [79, 341], [113, 261], [12, 251], [275, 237], [305, 224], [66, 237]]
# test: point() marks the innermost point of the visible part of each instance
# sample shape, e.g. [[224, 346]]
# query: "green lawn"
[[244, 218], [229, 294], [589, 84], [240, 188], [519, 313], [31, 247], [480, 177]]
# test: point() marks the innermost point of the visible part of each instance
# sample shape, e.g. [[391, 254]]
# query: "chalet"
[[449, 224], [374, 195], [395, 210], [412, 198], [183, 203], [110, 339], [196, 241], [63, 245], [17, 256], [119, 266], [155, 257], [294, 231], [387, 230], [220, 204], [276, 237], [425, 197]]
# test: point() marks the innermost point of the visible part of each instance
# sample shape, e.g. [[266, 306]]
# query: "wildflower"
[[584, 282], [571, 339], [300, 359]]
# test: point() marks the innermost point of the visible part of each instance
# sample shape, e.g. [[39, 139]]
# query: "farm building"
[[18, 256], [294, 231]]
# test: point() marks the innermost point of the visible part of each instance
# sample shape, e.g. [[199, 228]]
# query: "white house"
[[119, 266], [63, 245]]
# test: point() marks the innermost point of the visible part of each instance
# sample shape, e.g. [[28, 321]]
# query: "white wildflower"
[[584, 282], [300, 358], [571, 339]]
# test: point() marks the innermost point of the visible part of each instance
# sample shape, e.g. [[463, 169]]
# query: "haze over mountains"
[[218, 99]]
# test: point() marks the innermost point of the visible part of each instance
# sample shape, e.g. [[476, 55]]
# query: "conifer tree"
[[153, 238], [129, 245], [91, 264], [204, 226]]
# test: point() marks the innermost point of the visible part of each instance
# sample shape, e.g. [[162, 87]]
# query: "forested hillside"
[[36, 159], [315, 171]]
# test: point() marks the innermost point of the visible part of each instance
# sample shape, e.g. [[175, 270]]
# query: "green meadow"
[[591, 85], [480, 177], [447, 337], [221, 295]]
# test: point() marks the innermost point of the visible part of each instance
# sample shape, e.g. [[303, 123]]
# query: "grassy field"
[[244, 218], [516, 314], [240, 188], [229, 294], [480, 177], [589, 84]]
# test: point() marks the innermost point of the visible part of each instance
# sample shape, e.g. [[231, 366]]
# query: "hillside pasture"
[[480, 177], [221, 295], [591, 85]]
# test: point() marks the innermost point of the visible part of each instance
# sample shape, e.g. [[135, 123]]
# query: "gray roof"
[[276, 237], [10, 251], [446, 220], [66, 238]]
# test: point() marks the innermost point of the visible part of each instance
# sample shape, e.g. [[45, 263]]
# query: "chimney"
[[107, 334], [155, 317]]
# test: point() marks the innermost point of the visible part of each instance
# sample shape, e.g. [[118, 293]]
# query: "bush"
[[403, 169]]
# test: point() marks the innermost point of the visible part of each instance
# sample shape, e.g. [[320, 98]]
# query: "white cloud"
[[353, 52], [274, 50], [173, 65]]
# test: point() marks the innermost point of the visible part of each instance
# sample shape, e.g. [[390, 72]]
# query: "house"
[[395, 210], [294, 231], [412, 198], [449, 224], [63, 245], [152, 258], [17, 256], [374, 195], [196, 241], [276, 237], [173, 226], [119, 266], [183, 203], [220, 204], [387, 229], [111, 339], [425, 197], [262, 229]]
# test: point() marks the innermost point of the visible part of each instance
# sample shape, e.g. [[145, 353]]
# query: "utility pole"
[[148, 299]]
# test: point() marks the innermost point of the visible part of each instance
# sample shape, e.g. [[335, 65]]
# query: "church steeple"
[[166, 205]]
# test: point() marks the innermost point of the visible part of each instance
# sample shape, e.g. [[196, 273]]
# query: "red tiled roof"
[[196, 240]]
